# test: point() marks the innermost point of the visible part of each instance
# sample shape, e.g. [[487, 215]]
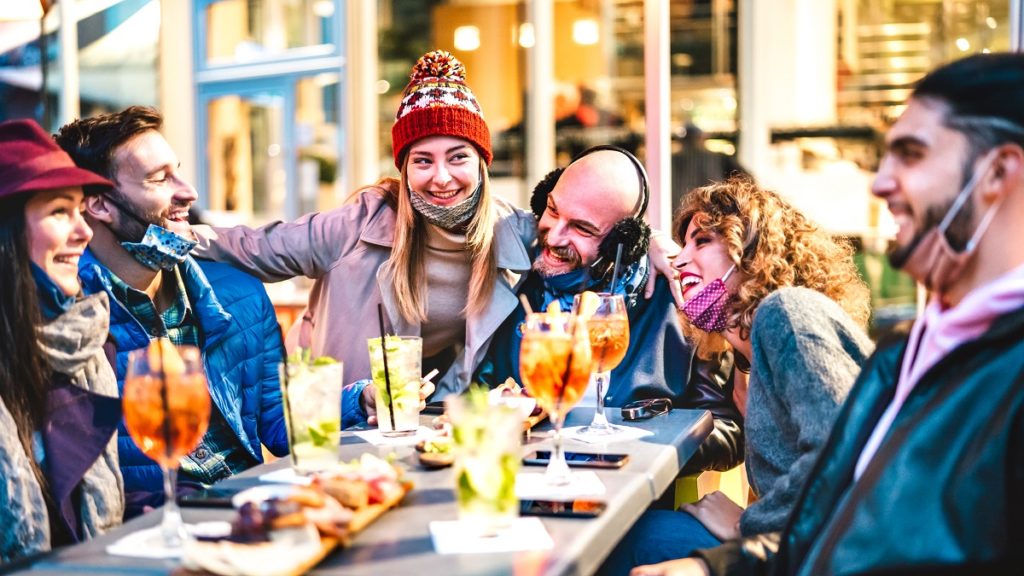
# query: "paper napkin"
[[621, 434], [377, 439], [456, 537], [533, 486]]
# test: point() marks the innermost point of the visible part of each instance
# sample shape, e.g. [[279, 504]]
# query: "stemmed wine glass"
[[554, 363], [608, 326], [166, 411]]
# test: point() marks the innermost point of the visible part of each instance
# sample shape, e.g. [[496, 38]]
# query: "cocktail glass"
[[166, 411], [608, 326], [404, 358], [486, 443], [312, 402], [554, 363]]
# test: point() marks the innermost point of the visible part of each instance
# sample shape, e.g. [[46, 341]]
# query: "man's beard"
[[570, 258], [958, 233], [134, 221]]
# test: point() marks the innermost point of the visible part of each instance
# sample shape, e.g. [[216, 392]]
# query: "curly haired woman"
[[760, 279]]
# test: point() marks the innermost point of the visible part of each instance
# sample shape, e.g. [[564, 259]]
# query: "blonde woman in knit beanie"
[[443, 255]]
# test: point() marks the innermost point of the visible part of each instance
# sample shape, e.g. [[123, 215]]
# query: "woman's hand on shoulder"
[[661, 253]]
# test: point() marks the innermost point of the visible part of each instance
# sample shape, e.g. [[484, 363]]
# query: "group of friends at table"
[[898, 456]]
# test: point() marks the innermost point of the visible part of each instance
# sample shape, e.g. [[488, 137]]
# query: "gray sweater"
[[807, 353]]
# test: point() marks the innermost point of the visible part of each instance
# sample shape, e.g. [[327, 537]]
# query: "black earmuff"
[[633, 232]]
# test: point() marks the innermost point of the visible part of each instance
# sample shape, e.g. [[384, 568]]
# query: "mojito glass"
[[312, 396], [405, 354], [486, 444]]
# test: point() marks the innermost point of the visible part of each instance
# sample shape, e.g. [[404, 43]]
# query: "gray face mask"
[[447, 217]]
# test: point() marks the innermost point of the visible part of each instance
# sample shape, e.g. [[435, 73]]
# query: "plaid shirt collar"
[[140, 306]]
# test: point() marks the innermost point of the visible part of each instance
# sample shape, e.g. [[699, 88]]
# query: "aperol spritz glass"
[[608, 326], [166, 411], [554, 363]]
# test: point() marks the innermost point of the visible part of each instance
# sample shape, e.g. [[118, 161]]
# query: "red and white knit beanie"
[[437, 102]]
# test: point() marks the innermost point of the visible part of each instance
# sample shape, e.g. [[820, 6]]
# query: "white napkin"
[[149, 543], [456, 537], [533, 486], [621, 434], [286, 476], [377, 439]]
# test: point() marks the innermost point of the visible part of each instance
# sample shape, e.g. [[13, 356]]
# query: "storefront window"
[[239, 31]]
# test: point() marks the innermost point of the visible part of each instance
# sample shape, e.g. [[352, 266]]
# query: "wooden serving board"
[[533, 420], [361, 519]]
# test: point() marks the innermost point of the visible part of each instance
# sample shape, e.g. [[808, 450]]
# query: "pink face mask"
[[709, 308], [933, 261]]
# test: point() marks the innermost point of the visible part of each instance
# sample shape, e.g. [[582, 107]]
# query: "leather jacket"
[[944, 489]]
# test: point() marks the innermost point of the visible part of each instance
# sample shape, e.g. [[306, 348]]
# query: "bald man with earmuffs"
[[585, 212]]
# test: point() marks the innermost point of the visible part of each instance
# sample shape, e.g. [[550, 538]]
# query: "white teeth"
[[689, 281]]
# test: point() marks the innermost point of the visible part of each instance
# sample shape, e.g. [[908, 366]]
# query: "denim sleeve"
[[352, 412]]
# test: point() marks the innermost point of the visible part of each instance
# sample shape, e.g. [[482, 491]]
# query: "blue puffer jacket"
[[241, 351]]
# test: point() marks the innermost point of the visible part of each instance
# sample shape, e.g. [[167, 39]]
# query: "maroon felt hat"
[[31, 161]]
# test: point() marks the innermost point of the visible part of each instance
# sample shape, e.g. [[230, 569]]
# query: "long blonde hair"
[[406, 262], [774, 245]]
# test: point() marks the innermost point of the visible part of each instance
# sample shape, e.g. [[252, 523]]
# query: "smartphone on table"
[[579, 459], [208, 498], [567, 509]]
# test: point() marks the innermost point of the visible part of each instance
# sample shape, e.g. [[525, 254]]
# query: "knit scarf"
[[563, 288], [73, 345], [447, 217]]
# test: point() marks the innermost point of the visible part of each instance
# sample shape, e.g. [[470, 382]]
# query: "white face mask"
[[935, 263]]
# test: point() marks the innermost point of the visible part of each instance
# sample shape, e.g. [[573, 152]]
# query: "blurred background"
[[281, 107]]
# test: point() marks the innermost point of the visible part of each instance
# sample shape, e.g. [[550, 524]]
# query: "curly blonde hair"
[[773, 245]]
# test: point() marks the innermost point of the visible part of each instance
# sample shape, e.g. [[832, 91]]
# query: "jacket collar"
[[213, 319]]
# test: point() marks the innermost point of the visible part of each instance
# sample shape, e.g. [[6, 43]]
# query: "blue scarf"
[[52, 300], [564, 287]]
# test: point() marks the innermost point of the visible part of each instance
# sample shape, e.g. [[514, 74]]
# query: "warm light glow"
[[991, 22], [323, 8], [585, 32], [986, 51], [383, 86], [526, 37], [21, 10], [467, 38], [963, 44]]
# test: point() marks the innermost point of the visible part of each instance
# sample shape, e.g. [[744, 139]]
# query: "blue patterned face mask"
[[160, 249]]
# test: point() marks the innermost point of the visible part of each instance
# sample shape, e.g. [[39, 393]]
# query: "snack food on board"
[[291, 533]]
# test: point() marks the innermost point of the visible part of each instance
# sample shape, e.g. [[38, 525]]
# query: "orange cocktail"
[[554, 363], [166, 411], [187, 415], [608, 324], [609, 340]]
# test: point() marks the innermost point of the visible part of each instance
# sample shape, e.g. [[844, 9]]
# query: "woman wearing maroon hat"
[[59, 408], [435, 246]]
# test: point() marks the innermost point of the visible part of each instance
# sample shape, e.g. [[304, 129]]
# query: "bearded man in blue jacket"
[[139, 257]]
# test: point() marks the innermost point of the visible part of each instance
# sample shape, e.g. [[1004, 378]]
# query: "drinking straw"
[[384, 354], [285, 382], [526, 304], [568, 361], [165, 402], [615, 268]]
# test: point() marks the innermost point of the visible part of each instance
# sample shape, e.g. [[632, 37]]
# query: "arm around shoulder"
[[309, 246]]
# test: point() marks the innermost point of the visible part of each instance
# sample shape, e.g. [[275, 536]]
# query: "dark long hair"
[[24, 370]]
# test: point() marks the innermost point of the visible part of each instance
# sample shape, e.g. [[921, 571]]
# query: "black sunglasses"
[[646, 409]]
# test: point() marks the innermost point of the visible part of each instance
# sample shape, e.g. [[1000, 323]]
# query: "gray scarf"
[[447, 217], [73, 345]]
